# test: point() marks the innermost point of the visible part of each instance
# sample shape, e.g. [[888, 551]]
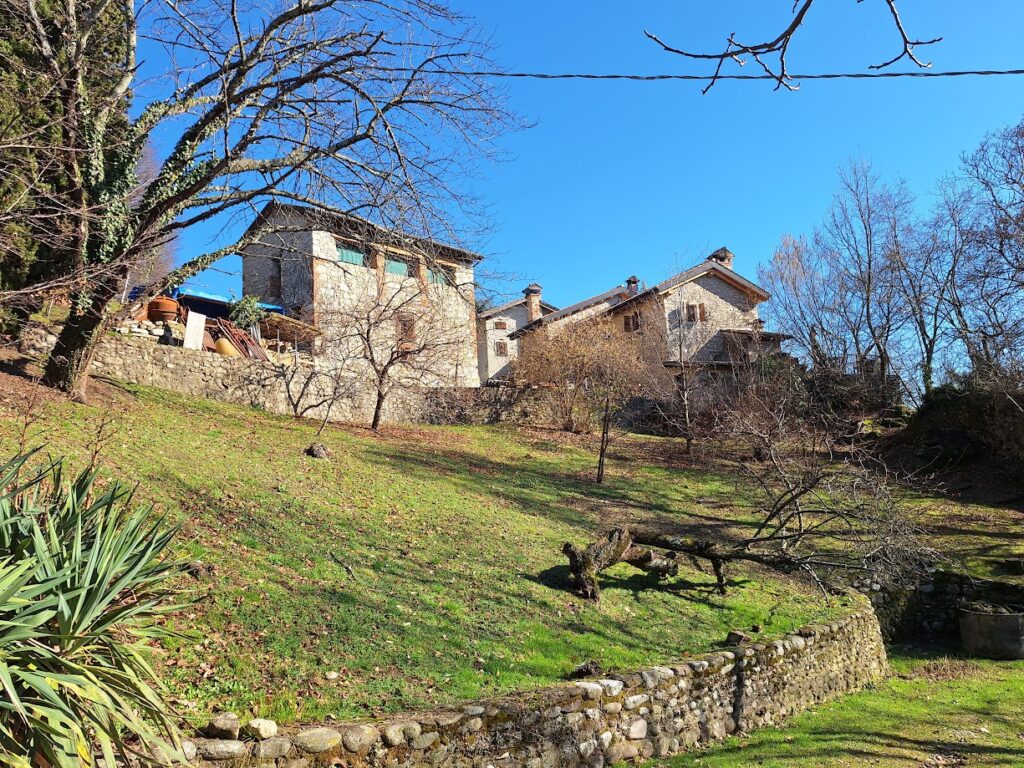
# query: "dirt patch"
[[21, 389], [945, 669]]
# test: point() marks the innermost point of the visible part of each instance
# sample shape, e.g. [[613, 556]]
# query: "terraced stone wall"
[[654, 712]]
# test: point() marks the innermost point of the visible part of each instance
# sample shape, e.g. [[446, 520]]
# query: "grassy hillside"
[[413, 568], [934, 713]]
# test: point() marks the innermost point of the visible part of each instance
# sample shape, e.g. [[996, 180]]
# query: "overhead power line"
[[925, 73]]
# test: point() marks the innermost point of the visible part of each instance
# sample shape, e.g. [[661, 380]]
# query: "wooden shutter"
[[703, 314]]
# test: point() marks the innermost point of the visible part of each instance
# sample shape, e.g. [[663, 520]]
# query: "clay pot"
[[162, 309], [226, 348]]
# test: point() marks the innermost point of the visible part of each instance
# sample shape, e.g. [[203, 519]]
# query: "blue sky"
[[616, 178]]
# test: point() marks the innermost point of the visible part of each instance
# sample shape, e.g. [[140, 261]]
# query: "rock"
[[317, 739], [271, 748], [223, 726], [591, 690], [611, 687], [261, 729], [318, 451], [632, 702], [220, 749], [637, 729], [738, 637], [332, 675], [359, 738], [188, 748], [425, 741], [473, 710], [622, 751], [400, 733], [590, 668]]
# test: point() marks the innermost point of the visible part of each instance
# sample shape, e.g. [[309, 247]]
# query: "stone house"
[[496, 348], [705, 316], [369, 290]]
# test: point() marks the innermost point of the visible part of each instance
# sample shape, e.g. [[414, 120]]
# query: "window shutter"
[[703, 314]]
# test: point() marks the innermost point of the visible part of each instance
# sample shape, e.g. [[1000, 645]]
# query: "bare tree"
[[402, 333], [842, 293], [824, 508], [770, 54], [360, 106], [592, 370]]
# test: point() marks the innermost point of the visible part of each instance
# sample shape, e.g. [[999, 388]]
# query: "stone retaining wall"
[[930, 611], [651, 713], [305, 389]]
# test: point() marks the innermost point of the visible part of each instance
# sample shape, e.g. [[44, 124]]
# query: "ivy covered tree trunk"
[[68, 365]]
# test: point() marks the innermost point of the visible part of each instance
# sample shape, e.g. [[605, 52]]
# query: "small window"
[[631, 323], [441, 275], [405, 329], [395, 266], [274, 279], [348, 255], [501, 348], [691, 313], [500, 325]]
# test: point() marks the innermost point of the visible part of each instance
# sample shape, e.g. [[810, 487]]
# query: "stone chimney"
[[723, 256], [633, 285], [532, 294]]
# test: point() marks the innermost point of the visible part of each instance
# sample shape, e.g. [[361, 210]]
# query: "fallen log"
[[614, 547]]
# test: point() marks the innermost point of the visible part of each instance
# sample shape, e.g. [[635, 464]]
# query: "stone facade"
[[303, 389], [654, 712], [302, 266], [719, 305]]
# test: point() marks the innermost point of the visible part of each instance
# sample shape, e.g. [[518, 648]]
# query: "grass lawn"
[[934, 713], [421, 567]]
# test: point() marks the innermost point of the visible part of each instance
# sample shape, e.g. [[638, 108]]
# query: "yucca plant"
[[84, 579]]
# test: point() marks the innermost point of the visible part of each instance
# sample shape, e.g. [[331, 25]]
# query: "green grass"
[[933, 713], [422, 567]]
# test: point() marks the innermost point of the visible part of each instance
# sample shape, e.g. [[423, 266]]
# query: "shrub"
[[84, 579], [247, 312]]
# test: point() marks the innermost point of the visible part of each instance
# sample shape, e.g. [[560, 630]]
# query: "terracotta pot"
[[162, 309], [226, 348]]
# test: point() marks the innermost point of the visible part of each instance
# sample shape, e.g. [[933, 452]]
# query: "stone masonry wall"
[[930, 611], [306, 389], [650, 713]]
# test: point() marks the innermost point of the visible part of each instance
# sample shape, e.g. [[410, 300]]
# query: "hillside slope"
[[411, 569]]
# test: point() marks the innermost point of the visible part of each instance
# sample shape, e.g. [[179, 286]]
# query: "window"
[[500, 325], [501, 348], [405, 329], [274, 279], [396, 266], [440, 275], [691, 313], [631, 323], [348, 255]]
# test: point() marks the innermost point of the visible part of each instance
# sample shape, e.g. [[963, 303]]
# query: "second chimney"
[[633, 285], [532, 294], [723, 256]]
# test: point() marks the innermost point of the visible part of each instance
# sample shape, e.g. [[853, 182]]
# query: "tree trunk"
[[615, 547], [378, 409], [605, 423], [67, 368]]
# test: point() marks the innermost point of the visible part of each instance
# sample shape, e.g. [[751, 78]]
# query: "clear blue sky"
[[618, 178]]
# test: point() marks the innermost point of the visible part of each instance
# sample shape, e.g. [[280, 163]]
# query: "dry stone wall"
[[306, 388], [654, 712]]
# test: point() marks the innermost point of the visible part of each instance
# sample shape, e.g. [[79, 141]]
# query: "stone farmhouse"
[[340, 273], [496, 348], [364, 286], [707, 315]]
